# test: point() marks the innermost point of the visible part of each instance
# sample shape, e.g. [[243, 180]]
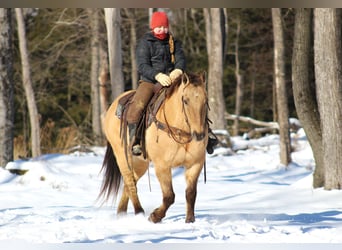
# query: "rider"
[[160, 58]]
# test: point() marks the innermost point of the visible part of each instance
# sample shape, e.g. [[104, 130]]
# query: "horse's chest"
[[188, 154]]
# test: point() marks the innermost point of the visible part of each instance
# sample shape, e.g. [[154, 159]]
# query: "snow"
[[248, 198]]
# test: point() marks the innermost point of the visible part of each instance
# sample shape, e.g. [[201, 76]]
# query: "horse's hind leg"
[[130, 189], [132, 193], [122, 208], [165, 180]]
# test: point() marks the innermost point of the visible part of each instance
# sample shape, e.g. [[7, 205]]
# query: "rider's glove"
[[175, 73], [163, 79]]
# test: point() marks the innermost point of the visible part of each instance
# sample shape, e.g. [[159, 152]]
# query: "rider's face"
[[160, 30]]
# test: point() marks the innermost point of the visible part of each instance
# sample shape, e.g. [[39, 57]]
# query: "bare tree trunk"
[[303, 91], [279, 73], [133, 44], [150, 12], [215, 71], [239, 81], [226, 30], [94, 73], [328, 52], [104, 81], [31, 102], [6, 88], [113, 21], [252, 105]]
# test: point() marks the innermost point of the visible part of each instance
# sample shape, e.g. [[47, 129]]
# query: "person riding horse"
[[160, 58]]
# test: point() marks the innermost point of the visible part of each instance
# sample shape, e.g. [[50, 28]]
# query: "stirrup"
[[136, 150]]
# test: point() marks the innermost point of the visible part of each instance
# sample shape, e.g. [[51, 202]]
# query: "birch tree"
[[27, 82]]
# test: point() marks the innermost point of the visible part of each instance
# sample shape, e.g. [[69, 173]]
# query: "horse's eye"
[[185, 101]]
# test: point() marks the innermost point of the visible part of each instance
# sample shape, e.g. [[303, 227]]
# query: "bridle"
[[179, 135]]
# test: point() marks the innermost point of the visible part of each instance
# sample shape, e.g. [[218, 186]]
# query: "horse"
[[177, 137]]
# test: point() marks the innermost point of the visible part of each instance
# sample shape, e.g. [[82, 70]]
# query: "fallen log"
[[264, 127], [272, 125]]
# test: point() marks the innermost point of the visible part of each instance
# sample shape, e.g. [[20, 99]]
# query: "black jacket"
[[153, 57]]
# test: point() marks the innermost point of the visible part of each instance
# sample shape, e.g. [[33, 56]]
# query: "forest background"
[[59, 43], [69, 64]]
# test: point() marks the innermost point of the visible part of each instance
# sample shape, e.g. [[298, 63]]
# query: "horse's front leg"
[[191, 176], [165, 179]]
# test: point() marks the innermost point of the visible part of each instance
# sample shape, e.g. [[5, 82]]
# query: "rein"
[[176, 133]]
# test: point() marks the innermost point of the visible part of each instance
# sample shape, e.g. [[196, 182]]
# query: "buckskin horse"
[[176, 137]]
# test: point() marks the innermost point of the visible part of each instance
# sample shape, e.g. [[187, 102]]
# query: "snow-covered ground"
[[248, 198]]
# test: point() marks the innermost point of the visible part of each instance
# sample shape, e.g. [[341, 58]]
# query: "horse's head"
[[193, 98]]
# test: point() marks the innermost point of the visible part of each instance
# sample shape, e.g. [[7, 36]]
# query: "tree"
[[113, 20], [304, 89], [317, 90], [328, 75], [215, 67], [95, 72], [130, 13], [26, 77], [281, 92], [239, 80], [60, 57], [6, 88]]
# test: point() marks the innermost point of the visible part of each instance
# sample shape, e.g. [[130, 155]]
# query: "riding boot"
[[136, 108], [212, 141], [134, 139]]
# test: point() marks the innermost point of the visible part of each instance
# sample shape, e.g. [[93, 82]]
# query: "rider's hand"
[[163, 79], [175, 73]]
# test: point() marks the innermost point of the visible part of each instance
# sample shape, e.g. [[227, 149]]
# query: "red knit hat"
[[159, 19]]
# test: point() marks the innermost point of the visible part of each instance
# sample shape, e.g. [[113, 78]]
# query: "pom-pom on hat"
[[159, 19]]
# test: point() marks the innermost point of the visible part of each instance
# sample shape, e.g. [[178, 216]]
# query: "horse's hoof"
[[190, 220], [120, 215], [140, 211], [154, 218]]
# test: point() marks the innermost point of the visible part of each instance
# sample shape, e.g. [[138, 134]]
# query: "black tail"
[[112, 175]]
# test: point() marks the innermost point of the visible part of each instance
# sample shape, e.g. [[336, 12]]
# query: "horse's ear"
[[185, 78]]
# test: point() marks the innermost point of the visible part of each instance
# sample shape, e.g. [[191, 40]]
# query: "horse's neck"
[[172, 110]]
